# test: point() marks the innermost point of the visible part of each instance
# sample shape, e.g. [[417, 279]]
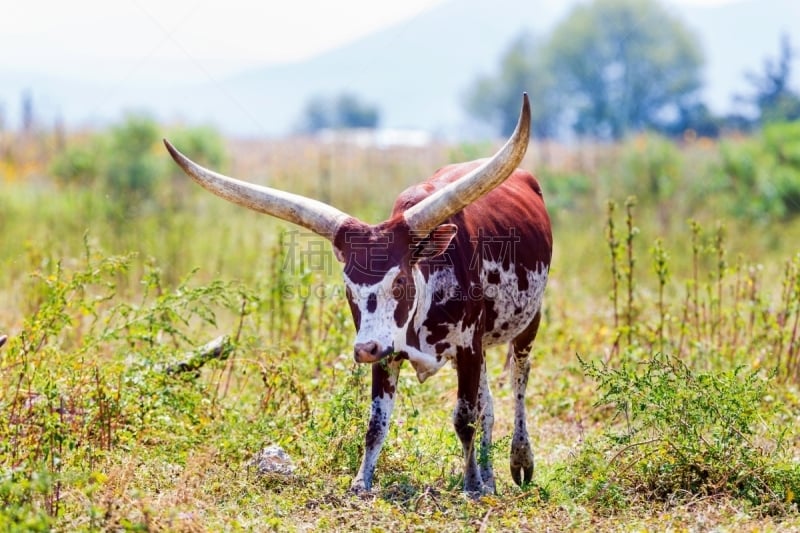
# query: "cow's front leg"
[[465, 415], [384, 388]]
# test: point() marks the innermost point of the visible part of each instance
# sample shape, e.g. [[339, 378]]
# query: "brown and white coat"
[[461, 265]]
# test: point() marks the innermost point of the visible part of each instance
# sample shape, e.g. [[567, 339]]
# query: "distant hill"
[[417, 71]]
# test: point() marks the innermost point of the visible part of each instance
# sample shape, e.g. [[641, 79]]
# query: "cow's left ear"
[[436, 243]]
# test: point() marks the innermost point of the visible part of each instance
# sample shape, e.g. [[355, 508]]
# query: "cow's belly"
[[510, 303]]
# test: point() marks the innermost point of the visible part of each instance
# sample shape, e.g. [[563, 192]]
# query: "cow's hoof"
[[475, 493], [522, 476], [521, 463], [475, 488], [359, 488], [487, 475]]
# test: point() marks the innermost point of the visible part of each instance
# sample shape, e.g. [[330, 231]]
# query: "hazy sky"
[[187, 39]]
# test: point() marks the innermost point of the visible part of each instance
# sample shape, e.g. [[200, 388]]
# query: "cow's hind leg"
[[465, 414], [521, 451], [486, 409], [384, 388]]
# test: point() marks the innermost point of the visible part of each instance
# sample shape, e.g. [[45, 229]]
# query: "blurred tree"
[[353, 113], [774, 99], [343, 111], [130, 165], [317, 115], [625, 65], [80, 164], [203, 142], [206, 147], [763, 173], [133, 165], [27, 112], [523, 68], [611, 67], [697, 120]]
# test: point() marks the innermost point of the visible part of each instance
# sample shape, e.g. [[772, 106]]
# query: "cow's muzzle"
[[370, 352]]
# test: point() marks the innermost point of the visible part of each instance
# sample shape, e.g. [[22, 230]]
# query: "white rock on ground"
[[273, 460]]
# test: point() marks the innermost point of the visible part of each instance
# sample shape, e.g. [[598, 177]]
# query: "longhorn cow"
[[461, 265]]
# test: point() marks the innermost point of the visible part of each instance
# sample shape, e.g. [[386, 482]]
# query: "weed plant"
[[688, 385]]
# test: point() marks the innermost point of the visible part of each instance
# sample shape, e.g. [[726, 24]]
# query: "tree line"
[[610, 68], [613, 67]]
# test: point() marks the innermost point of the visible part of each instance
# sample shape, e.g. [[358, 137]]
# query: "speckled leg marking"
[[465, 417], [486, 408], [384, 387], [521, 452]]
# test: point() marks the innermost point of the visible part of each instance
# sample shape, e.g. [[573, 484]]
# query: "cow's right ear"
[[338, 253]]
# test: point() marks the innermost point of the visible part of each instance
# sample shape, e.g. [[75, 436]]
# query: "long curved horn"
[[445, 202], [319, 217]]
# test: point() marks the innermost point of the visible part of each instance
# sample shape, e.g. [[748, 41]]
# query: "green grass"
[[679, 411]]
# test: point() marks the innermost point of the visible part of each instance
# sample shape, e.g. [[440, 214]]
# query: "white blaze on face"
[[376, 306]]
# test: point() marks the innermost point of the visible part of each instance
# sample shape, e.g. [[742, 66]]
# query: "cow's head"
[[381, 279], [380, 262]]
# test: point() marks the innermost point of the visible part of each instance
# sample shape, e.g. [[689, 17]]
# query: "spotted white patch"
[[376, 325], [514, 308], [439, 288]]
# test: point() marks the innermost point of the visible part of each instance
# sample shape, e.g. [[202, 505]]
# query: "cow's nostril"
[[367, 352]]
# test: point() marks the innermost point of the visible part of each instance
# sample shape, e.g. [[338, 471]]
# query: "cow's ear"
[[436, 243], [338, 253]]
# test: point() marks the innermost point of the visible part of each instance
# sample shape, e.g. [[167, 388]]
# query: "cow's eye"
[[399, 286]]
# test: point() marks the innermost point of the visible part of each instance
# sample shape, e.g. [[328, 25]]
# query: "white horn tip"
[[525, 113], [171, 149]]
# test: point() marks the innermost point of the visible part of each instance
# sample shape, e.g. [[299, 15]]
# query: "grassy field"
[[664, 386]]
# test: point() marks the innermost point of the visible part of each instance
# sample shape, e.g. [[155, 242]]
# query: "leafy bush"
[[764, 173], [653, 165], [133, 165], [678, 433], [86, 375], [691, 412], [565, 190], [130, 164], [80, 164]]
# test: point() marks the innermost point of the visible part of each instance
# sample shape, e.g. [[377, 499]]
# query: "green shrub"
[[133, 163], [565, 191], [80, 164], [676, 433], [131, 167], [764, 173], [653, 167], [86, 374]]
